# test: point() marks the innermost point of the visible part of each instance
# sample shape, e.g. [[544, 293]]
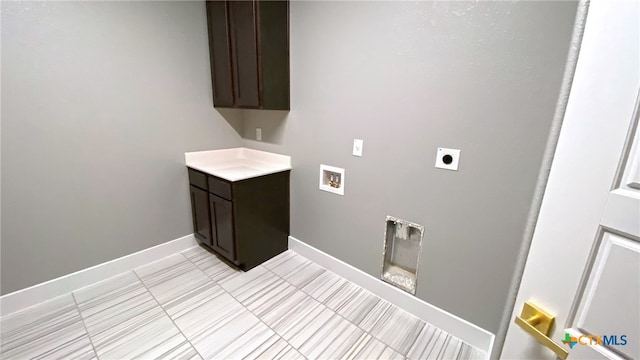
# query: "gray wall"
[[409, 78], [99, 102]]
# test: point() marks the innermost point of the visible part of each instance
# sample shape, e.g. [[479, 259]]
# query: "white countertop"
[[237, 163]]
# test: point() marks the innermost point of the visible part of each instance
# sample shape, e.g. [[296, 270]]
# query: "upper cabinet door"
[[249, 46], [220, 53], [273, 47], [244, 53]]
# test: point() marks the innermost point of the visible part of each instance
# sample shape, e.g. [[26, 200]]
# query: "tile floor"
[[191, 305]]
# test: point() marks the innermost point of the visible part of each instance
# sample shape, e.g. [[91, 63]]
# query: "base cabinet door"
[[200, 214], [222, 225]]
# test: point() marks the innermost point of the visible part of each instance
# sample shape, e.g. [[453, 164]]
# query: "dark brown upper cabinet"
[[249, 52]]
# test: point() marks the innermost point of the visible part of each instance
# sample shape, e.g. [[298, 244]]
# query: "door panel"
[[635, 182], [583, 261], [631, 177], [623, 212], [222, 217], [623, 206], [213, 214], [273, 46], [220, 53], [610, 301], [200, 214], [244, 52]]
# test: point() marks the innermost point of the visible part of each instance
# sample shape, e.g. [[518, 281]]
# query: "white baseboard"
[[36, 294], [460, 328]]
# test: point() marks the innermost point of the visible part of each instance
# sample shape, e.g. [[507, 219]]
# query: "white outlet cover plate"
[[357, 147], [259, 134], [454, 153]]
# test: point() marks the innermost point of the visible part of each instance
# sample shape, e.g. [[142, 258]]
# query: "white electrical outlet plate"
[[332, 179], [259, 134], [448, 159], [357, 147]]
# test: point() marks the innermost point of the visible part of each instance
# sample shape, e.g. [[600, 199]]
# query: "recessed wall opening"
[[332, 179], [402, 247]]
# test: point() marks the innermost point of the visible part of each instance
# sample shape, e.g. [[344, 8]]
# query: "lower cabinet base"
[[246, 221], [246, 266]]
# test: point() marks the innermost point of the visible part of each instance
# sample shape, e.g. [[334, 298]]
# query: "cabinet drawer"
[[196, 178], [220, 188]]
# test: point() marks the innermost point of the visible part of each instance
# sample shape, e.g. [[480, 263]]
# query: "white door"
[[584, 261]]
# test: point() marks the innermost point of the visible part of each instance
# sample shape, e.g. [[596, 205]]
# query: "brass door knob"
[[538, 322]]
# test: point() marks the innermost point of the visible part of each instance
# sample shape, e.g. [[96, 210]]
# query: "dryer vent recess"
[[402, 247]]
